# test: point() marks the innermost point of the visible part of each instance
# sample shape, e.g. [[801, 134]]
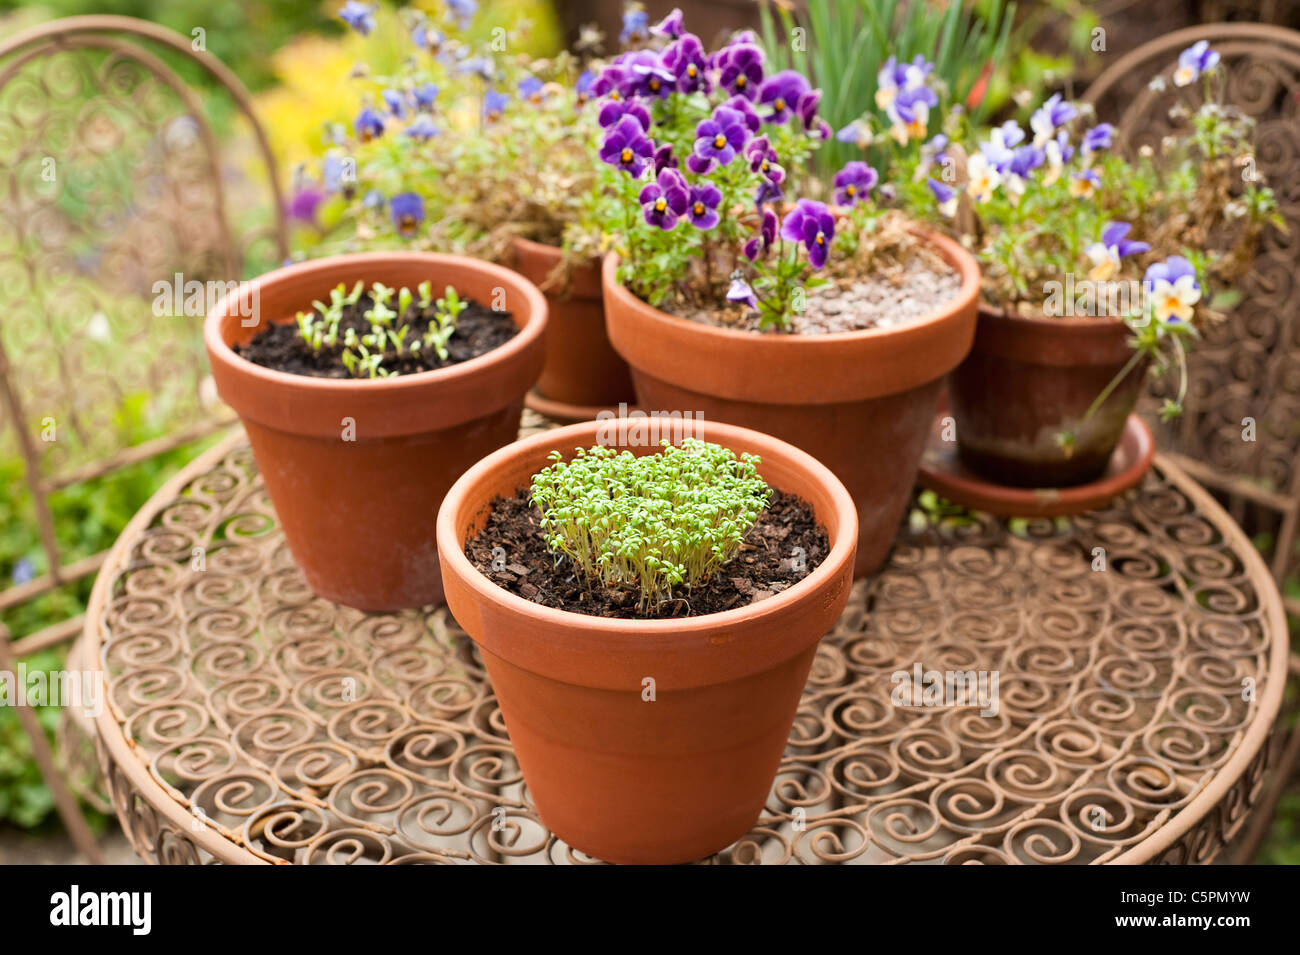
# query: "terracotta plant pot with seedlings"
[[1097, 269], [582, 370], [830, 326], [357, 446], [646, 735]]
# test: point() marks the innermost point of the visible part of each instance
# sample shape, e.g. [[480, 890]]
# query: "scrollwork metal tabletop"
[[1139, 650]]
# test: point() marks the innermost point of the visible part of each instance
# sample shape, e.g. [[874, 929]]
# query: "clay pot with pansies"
[[1028, 382], [582, 374], [613, 774], [860, 402], [356, 468]]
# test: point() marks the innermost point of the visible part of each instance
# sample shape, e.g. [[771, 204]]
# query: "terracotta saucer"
[[566, 413], [943, 472]]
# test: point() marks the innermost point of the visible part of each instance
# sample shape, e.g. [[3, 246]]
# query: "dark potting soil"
[[766, 564], [478, 330]]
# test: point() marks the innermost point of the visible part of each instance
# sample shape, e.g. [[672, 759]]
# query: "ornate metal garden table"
[[249, 721]]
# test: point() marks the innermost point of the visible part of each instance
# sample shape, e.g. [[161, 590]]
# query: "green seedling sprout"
[[363, 353], [659, 522]]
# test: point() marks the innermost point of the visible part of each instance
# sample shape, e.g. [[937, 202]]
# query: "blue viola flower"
[[1098, 138], [945, 196], [1193, 61], [1106, 254], [857, 132], [895, 78], [583, 86], [395, 102], [1172, 288], [627, 147], [425, 96], [909, 114], [24, 571], [359, 16], [1084, 183], [463, 11], [332, 172], [479, 66], [1049, 117], [665, 200], [423, 129], [531, 90], [374, 199], [494, 105], [854, 182], [782, 93], [670, 26], [368, 125], [811, 224], [721, 136], [740, 69], [741, 292], [702, 207], [636, 25], [407, 210]]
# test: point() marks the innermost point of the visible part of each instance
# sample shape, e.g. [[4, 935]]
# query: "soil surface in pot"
[[478, 330], [766, 564], [912, 291]]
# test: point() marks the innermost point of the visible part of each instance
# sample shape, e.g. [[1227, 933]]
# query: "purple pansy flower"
[[745, 108], [854, 182], [664, 158], [741, 69], [650, 77], [766, 236], [665, 200], [721, 136], [782, 93], [763, 159], [670, 26], [807, 109], [612, 110], [368, 125], [1098, 138], [613, 82], [702, 208], [359, 16], [303, 205], [408, 212], [627, 147], [685, 58], [700, 165], [812, 224], [768, 191]]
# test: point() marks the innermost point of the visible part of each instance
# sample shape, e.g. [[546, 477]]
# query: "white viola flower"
[[1173, 289], [1105, 261], [983, 178]]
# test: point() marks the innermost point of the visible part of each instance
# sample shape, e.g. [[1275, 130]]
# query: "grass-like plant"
[[845, 44], [390, 334], [658, 522]]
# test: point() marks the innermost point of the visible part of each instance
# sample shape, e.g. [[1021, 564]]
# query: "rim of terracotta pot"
[[1104, 338], [841, 366], [583, 279], [558, 633], [329, 394]]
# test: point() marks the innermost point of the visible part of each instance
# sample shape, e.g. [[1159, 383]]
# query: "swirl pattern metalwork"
[[1139, 652]]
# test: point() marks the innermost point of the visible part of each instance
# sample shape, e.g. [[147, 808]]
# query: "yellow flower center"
[[613, 94], [851, 190], [719, 141], [690, 71], [625, 155], [699, 208], [779, 105], [661, 205], [821, 238], [740, 81], [654, 84], [766, 165]]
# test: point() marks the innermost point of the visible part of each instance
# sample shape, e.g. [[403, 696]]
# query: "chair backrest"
[[1240, 432], [126, 209]]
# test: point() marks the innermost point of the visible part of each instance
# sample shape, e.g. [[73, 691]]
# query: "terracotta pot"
[[1028, 380], [581, 366], [356, 469], [614, 775], [860, 402]]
